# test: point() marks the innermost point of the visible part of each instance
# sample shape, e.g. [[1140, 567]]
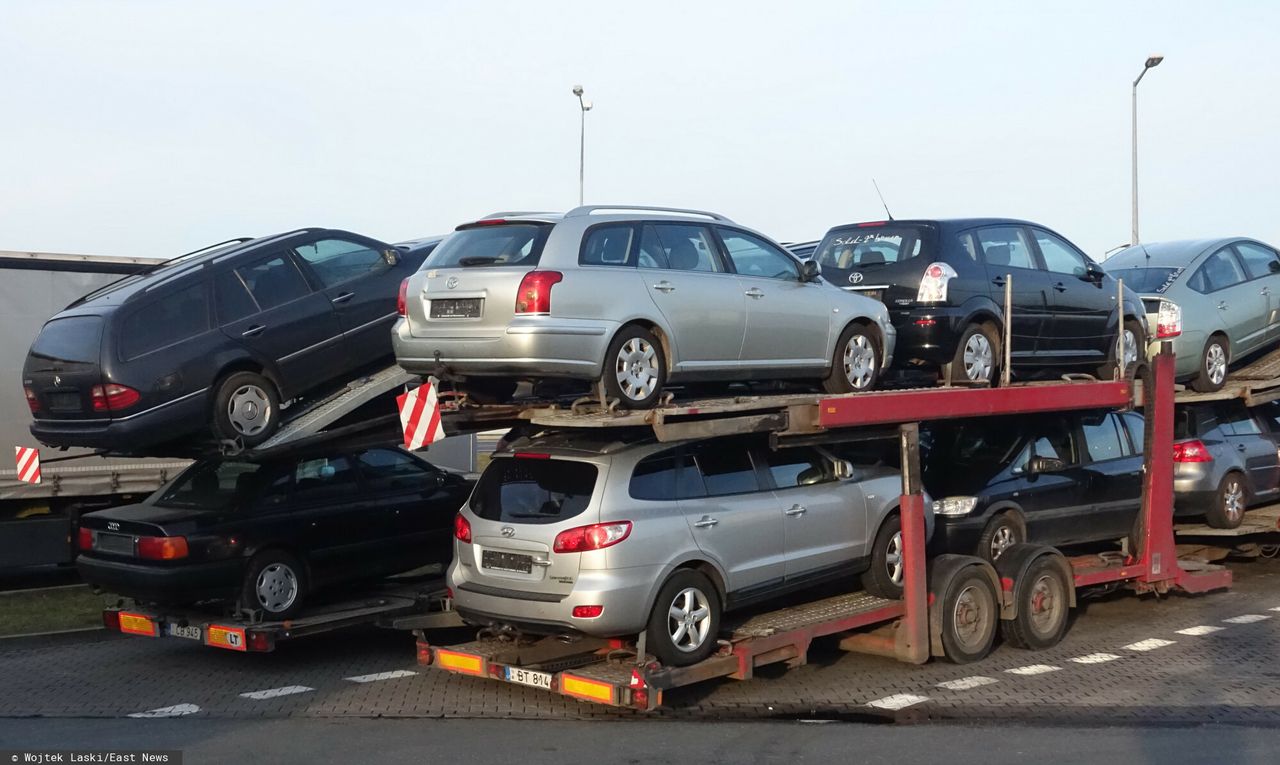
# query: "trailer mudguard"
[[1012, 565]]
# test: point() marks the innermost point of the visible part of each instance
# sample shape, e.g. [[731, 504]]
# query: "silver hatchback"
[[585, 534], [636, 297]]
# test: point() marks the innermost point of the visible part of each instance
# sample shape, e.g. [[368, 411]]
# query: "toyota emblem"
[[451, 282], [507, 531], [855, 277]]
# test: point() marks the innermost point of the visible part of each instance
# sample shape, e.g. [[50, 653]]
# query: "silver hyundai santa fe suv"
[[587, 534], [637, 297]]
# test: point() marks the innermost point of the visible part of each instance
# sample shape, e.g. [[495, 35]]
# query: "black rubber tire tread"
[[1019, 632]]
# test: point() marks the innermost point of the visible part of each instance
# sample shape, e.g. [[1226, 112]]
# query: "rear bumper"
[[127, 434], [537, 346], [927, 334], [163, 584]]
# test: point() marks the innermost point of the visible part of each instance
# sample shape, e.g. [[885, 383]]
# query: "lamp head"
[[586, 105], [577, 89], [1154, 61]]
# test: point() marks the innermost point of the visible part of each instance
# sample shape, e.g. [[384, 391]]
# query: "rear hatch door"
[[63, 365], [881, 260]]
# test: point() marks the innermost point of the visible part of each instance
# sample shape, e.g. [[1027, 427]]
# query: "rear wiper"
[[478, 260]]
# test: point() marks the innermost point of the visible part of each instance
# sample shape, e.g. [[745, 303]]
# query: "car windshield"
[[524, 490], [213, 485], [1148, 280], [966, 445], [509, 244], [865, 246], [75, 338]]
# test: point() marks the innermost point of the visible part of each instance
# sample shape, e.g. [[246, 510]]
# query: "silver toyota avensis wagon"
[[583, 534], [637, 297]]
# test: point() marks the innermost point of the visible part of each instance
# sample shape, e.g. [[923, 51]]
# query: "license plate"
[[190, 633], [119, 544], [64, 401], [455, 308], [500, 561], [873, 294], [529, 677]]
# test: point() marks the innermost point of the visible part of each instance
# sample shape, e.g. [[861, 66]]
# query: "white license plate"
[[529, 677], [190, 633]]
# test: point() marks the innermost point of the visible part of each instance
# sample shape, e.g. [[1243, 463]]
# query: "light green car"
[[1228, 293]]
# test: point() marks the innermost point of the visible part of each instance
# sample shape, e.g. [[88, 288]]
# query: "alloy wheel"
[[276, 588], [1130, 352], [249, 410], [1233, 500], [689, 620], [1215, 363], [1002, 540], [637, 369], [859, 362], [893, 559]]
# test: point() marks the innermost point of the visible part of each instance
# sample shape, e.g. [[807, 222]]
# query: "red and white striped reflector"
[[28, 464], [420, 416]]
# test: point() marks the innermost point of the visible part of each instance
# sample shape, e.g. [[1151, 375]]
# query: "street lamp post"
[[1152, 61], [585, 106]]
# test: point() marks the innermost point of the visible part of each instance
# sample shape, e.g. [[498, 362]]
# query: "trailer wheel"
[[970, 611], [246, 407], [685, 621], [1043, 603], [275, 582], [884, 577]]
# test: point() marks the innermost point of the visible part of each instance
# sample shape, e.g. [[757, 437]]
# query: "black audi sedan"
[[944, 283], [268, 534], [216, 339], [1060, 479]]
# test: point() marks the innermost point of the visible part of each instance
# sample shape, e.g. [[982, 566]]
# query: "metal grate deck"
[[809, 614]]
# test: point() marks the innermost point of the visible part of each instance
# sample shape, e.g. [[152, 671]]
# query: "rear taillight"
[[402, 300], [587, 612], [461, 529], [112, 397], [1168, 319], [597, 536], [162, 548], [1191, 451], [535, 291], [84, 539], [32, 401], [933, 285]]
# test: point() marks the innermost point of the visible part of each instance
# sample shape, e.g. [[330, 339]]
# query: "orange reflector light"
[[460, 662], [582, 688], [137, 624], [226, 637]]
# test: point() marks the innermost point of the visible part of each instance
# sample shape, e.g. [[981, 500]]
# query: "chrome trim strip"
[[178, 400], [310, 348], [556, 330]]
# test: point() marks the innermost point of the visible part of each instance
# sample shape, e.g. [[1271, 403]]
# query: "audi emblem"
[[451, 282], [507, 531], [113, 526], [855, 277]]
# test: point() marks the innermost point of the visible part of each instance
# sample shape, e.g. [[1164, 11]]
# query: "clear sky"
[[147, 128]]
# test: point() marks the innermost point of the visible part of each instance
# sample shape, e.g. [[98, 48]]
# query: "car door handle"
[[754, 292], [665, 287], [1060, 287], [796, 510], [706, 522], [998, 281], [1240, 447], [1222, 305], [1265, 291], [253, 331], [344, 297]]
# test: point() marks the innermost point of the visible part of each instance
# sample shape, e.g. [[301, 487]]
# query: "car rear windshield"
[[523, 490], [1148, 280], [862, 246], [75, 338], [506, 244], [214, 485]]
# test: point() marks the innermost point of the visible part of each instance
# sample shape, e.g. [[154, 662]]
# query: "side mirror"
[[1274, 265], [810, 271], [391, 257], [1045, 465], [1093, 273], [845, 470]]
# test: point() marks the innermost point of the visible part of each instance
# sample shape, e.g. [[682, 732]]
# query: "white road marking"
[[1094, 658], [965, 683], [1150, 644], [1276, 608], [272, 693], [382, 676], [177, 710], [1203, 629], [1246, 618], [1033, 669], [897, 701]]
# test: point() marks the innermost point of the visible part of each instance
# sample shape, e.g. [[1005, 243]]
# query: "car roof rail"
[[588, 209], [516, 214], [151, 269]]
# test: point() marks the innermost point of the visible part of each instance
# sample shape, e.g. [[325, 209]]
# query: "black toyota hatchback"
[[214, 339], [269, 534], [944, 283]]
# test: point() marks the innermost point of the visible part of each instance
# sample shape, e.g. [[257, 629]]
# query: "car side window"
[[753, 256], [335, 261], [165, 321], [274, 281], [678, 247], [797, 467], [232, 298], [1056, 442], [324, 479], [727, 469], [1102, 438], [1240, 421], [655, 477], [1219, 271], [1258, 260], [1137, 427], [1059, 256], [967, 245], [607, 246], [390, 470], [1006, 246]]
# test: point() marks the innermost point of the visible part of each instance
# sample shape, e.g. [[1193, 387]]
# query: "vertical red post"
[[913, 633], [1156, 552]]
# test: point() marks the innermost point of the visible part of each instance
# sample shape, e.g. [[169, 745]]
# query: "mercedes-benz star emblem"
[[57, 380], [451, 282], [507, 531], [855, 277]]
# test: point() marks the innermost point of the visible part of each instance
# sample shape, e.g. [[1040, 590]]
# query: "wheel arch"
[[665, 338]]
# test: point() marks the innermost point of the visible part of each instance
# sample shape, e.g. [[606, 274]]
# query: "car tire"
[[685, 622], [246, 408], [1138, 349], [1002, 532], [635, 368], [275, 583], [1212, 372], [855, 365], [1043, 602], [490, 390], [888, 564], [977, 357], [970, 610], [1229, 503]]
